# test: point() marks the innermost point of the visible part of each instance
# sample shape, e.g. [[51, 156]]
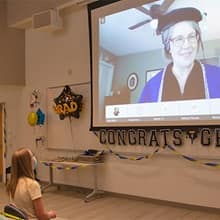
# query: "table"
[[67, 165]]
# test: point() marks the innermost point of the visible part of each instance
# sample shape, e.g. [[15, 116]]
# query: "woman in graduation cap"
[[185, 77]]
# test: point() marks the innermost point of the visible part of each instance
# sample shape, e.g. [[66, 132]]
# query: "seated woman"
[[24, 191]]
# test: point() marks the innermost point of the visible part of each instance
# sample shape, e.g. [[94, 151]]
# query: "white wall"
[[49, 57]]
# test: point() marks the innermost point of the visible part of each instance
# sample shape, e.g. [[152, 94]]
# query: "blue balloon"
[[41, 117]]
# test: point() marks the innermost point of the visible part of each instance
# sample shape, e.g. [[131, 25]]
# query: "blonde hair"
[[21, 166]]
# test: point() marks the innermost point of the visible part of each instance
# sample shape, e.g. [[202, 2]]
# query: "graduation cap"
[[177, 15]]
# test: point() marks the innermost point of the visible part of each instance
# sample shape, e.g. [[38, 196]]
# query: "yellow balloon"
[[32, 118]]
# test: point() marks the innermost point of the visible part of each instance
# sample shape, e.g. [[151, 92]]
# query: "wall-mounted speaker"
[[49, 20]]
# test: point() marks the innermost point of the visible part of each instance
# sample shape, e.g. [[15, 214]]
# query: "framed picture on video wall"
[[132, 81]]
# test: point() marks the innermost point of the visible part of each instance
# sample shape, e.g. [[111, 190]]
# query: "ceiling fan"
[[155, 11]]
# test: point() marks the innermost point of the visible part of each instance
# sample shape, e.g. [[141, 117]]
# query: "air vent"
[[47, 21]]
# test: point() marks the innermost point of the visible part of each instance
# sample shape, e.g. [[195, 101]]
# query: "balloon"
[[34, 99], [32, 118], [68, 104], [40, 117]]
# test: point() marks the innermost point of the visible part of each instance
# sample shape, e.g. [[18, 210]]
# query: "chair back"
[[13, 212]]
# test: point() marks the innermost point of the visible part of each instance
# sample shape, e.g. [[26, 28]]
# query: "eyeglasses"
[[180, 40]]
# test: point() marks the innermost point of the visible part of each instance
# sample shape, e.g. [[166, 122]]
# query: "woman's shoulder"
[[33, 188], [212, 69], [31, 182]]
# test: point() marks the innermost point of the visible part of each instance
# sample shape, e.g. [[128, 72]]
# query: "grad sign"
[[162, 137]]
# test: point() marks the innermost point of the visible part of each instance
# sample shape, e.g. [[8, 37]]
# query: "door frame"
[[3, 141]]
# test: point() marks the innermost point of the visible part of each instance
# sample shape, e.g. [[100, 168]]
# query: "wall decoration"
[[158, 149], [171, 148], [35, 98], [68, 104], [40, 117], [160, 137], [32, 118], [35, 117], [132, 81], [70, 133]]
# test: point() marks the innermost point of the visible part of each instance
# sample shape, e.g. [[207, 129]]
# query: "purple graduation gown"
[[152, 91]]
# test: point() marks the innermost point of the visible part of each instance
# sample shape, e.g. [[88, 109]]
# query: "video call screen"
[[135, 83]]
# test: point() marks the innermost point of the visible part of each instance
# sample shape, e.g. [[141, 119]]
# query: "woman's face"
[[183, 44]]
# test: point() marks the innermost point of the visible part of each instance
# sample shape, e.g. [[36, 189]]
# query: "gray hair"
[[166, 38]]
